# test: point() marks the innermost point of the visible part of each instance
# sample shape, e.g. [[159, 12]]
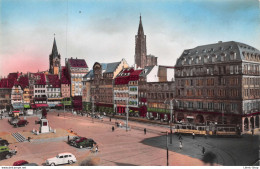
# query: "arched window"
[[223, 56]]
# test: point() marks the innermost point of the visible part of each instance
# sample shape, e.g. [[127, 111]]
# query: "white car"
[[62, 158]]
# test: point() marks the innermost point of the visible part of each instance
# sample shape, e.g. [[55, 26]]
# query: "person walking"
[[96, 148], [110, 119], [205, 135], [68, 138], [203, 150], [180, 137], [180, 145], [144, 130], [193, 135], [113, 128]]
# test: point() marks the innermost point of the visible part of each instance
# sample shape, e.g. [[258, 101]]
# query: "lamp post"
[[167, 153], [127, 114], [93, 106], [171, 113]]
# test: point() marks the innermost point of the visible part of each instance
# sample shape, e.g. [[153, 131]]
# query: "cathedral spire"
[[54, 48], [140, 29]]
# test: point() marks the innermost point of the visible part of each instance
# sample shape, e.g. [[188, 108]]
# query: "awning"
[[17, 106], [59, 105], [41, 105], [27, 106], [16, 111], [51, 105]]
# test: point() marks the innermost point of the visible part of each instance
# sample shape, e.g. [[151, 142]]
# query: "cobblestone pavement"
[[121, 147]]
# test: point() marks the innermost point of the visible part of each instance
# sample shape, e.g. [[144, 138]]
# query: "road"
[[131, 148]]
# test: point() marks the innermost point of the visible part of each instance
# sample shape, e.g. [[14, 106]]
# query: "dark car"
[[21, 123], [85, 143], [6, 153], [3, 142], [20, 162], [30, 164]]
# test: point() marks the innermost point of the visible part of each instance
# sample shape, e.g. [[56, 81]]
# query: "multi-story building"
[[101, 91], [126, 92], [159, 95], [77, 68], [24, 83], [6, 85], [54, 60], [39, 90], [53, 91], [141, 57], [219, 83], [86, 97], [17, 96], [65, 83]]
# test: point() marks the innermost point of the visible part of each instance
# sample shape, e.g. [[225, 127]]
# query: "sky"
[[104, 30]]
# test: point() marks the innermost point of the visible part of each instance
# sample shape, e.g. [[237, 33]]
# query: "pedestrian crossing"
[[19, 137]]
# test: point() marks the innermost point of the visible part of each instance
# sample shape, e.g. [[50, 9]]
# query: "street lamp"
[[167, 153], [127, 114], [171, 112], [93, 106]]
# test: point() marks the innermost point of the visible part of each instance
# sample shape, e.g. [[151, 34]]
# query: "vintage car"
[[20, 162], [81, 142], [3, 142], [6, 153], [62, 158], [21, 123]]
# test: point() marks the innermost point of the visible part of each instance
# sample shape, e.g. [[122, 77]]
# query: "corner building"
[[219, 84]]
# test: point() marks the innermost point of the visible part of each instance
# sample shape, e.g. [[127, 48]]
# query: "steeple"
[[140, 46], [54, 49], [140, 29]]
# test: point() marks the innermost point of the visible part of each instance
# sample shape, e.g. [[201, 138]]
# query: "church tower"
[[54, 59], [140, 47]]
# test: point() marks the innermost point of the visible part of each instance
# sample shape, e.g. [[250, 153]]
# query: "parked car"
[[62, 158], [20, 162], [30, 164], [21, 123], [3, 142], [6, 153], [82, 142]]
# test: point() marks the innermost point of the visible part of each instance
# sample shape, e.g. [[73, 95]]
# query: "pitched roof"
[[53, 80], [23, 81], [65, 77], [109, 67], [78, 63], [89, 75], [126, 75], [39, 78], [7, 83]]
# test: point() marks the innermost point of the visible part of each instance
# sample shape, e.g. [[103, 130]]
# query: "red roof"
[[40, 78], [7, 83], [78, 63], [65, 79], [53, 80], [23, 81], [127, 75], [13, 75]]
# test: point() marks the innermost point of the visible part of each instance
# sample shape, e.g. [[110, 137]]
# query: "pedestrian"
[[68, 138], [203, 150], [110, 119], [29, 138], [252, 131], [205, 135], [96, 148], [180, 137], [180, 145], [144, 130], [193, 135], [113, 128], [58, 114]]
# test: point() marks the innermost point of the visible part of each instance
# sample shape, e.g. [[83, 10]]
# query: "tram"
[[209, 130]]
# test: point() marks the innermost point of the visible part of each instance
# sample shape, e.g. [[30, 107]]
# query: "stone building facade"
[[218, 84], [159, 94], [77, 68], [101, 91]]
